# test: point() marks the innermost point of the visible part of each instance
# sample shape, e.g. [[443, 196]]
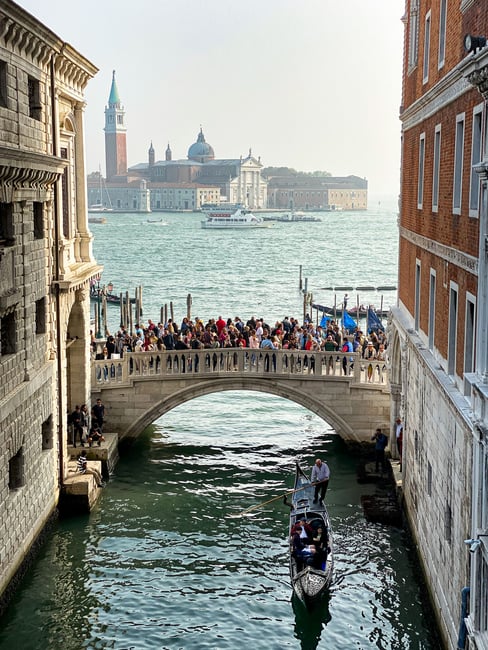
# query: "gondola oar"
[[280, 496]]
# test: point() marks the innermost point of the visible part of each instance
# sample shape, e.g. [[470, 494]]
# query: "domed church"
[[201, 151], [238, 179], [182, 183]]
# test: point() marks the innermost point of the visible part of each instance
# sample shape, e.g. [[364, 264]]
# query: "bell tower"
[[115, 135]]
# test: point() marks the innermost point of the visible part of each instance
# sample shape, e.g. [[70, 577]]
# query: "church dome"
[[200, 150]]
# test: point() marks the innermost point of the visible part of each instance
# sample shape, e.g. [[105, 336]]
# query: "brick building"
[[438, 338], [46, 265]]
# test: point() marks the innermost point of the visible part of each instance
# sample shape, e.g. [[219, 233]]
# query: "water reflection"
[[309, 623]]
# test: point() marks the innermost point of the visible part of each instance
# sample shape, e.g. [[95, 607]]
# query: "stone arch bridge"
[[350, 393]]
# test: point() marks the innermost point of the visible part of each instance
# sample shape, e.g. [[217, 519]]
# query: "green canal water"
[[160, 564]]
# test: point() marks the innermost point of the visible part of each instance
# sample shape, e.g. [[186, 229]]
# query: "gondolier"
[[320, 478]]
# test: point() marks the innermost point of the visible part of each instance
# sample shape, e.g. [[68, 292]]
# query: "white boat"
[[227, 217], [97, 220], [295, 217]]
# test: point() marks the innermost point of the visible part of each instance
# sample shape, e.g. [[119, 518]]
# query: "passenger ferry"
[[231, 216]]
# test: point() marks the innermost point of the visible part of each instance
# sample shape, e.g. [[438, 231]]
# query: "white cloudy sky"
[[310, 84]]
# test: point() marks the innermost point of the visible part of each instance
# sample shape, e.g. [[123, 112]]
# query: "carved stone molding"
[[452, 255], [479, 78]]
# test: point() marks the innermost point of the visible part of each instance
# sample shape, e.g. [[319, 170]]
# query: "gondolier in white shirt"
[[320, 478]]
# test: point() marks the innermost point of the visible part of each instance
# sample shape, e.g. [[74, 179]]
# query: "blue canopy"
[[348, 322], [325, 321], [374, 322]]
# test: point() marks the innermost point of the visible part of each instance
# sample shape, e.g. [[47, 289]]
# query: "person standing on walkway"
[[320, 478], [399, 438], [98, 412], [381, 441]]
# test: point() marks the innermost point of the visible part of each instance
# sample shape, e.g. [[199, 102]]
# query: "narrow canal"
[[160, 564]]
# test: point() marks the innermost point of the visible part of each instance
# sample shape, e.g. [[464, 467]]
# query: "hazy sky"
[[310, 84]]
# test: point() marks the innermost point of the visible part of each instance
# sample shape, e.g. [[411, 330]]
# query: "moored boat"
[[363, 310], [107, 294], [236, 217], [310, 582]]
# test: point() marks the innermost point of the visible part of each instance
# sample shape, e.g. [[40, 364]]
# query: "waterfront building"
[[308, 192], [438, 336], [239, 179], [46, 265], [183, 184]]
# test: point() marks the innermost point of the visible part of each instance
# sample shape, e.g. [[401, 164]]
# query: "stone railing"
[[229, 361]]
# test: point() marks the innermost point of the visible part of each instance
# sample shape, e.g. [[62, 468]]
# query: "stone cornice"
[[27, 170], [32, 41], [448, 89], [475, 69], [452, 255]]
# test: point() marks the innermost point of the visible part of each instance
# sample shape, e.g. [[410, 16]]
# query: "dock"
[[80, 492]]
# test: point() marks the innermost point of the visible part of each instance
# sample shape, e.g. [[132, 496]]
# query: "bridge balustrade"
[[223, 361]]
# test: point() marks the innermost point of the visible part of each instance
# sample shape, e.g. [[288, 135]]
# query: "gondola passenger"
[[301, 550]]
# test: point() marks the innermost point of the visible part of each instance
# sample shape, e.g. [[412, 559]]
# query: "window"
[[41, 316], [35, 107], [474, 186], [413, 34], [420, 187], [448, 523], [442, 32], [47, 434], [436, 170], [458, 165], [65, 194], [417, 295], [6, 224], [3, 85], [7, 334], [452, 329], [16, 470], [38, 210], [426, 49], [469, 339], [432, 296]]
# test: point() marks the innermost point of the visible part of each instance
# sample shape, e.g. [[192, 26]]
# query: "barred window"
[[35, 106], [16, 477], [7, 334]]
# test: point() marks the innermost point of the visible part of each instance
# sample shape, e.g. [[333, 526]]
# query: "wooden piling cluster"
[[130, 310]]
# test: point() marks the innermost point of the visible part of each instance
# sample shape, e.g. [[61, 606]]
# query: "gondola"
[[310, 582], [111, 298]]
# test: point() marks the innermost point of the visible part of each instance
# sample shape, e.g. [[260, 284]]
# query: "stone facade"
[[46, 265], [438, 338], [300, 192]]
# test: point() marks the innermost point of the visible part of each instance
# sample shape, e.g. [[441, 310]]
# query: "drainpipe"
[[461, 644], [61, 436]]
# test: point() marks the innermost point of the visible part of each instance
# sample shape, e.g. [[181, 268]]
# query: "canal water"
[[165, 561]]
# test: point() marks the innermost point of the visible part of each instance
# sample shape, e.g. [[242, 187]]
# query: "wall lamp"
[[473, 43], [474, 544]]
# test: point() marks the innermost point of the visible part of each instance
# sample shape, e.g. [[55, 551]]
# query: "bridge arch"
[[300, 396]]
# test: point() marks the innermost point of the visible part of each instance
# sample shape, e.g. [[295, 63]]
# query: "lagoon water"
[[160, 563]]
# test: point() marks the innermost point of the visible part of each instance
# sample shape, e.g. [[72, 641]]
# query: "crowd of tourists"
[[288, 334]]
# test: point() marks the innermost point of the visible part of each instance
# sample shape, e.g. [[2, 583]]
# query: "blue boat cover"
[[374, 322], [348, 322]]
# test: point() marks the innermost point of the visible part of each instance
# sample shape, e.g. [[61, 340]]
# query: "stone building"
[[306, 192], [438, 336], [239, 180], [46, 264], [183, 184]]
